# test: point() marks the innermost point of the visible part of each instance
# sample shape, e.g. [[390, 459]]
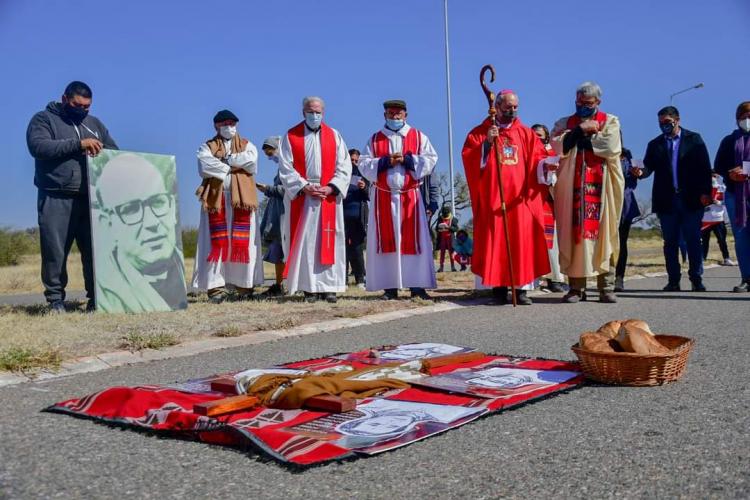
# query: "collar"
[[402, 131], [676, 137]]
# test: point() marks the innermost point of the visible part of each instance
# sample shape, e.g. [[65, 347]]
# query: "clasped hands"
[[316, 191], [736, 175]]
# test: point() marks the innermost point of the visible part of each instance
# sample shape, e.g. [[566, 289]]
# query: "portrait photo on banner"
[[137, 241]]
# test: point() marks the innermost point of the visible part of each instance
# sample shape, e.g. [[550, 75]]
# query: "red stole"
[[386, 236], [587, 190], [327, 206]]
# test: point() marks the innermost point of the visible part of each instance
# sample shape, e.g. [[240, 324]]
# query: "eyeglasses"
[[131, 213]]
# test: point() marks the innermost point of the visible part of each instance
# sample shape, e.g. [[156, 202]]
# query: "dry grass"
[[30, 339]]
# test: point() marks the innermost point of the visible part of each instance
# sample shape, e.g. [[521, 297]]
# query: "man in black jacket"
[[355, 220], [682, 187], [60, 138]]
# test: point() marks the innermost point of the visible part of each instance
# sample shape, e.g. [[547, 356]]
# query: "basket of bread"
[[627, 352]]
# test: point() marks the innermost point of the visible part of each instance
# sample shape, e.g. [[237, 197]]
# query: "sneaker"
[[607, 297], [697, 286], [727, 262], [500, 295], [419, 293], [555, 287], [522, 299], [311, 297], [390, 294], [574, 297], [743, 287], [672, 287], [330, 297], [57, 307]]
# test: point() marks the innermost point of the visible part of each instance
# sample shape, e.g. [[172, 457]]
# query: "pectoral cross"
[[328, 230]]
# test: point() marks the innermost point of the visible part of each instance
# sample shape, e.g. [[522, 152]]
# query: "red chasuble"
[[386, 236], [520, 152], [328, 206]]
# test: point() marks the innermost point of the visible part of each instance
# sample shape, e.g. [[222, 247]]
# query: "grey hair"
[[313, 98], [590, 89], [499, 96]]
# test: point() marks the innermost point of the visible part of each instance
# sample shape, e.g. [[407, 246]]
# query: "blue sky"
[[161, 69]]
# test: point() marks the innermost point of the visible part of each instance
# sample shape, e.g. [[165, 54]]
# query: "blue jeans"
[[685, 222], [741, 237]]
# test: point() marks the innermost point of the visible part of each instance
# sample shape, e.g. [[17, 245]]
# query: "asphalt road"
[[688, 439]]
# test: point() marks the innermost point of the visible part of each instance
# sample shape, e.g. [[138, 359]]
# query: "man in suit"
[[682, 187]]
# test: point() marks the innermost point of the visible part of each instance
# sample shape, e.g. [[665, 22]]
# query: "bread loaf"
[[596, 342], [638, 323], [639, 341], [610, 329]]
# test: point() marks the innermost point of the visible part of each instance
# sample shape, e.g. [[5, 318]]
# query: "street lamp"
[[696, 86]]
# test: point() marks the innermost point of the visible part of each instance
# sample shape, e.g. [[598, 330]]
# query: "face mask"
[[667, 128], [274, 158], [75, 114], [585, 111], [510, 114], [394, 124], [313, 120], [227, 131], [744, 124]]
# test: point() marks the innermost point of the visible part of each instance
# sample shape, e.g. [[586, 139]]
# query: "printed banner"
[[136, 239]]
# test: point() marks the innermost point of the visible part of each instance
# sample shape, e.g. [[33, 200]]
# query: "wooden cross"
[[328, 235]]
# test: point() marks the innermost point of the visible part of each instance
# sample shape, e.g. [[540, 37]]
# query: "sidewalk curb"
[[114, 359]]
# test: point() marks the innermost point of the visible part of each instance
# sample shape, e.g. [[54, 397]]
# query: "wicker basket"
[[625, 368]]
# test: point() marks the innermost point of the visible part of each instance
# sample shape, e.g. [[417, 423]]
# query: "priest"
[[588, 195], [399, 248], [228, 236], [521, 153], [315, 169]]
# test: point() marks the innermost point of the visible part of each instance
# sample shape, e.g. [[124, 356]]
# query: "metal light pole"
[[450, 119], [696, 86]]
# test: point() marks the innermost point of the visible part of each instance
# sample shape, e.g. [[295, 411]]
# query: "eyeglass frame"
[[142, 204]]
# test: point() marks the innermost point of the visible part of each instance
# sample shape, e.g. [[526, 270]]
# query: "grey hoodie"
[[60, 164]]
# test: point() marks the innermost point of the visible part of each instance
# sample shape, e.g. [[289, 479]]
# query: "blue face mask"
[[667, 128], [585, 111], [394, 124], [313, 120]]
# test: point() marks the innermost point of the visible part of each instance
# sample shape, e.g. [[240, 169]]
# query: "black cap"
[[395, 103], [225, 115]]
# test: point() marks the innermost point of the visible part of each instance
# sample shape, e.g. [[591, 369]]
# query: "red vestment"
[[520, 151]]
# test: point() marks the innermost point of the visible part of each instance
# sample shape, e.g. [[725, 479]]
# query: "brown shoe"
[[607, 297], [574, 297]]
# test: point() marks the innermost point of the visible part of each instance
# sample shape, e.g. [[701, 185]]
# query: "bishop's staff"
[[498, 160]]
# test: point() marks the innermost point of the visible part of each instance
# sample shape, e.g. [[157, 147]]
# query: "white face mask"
[[744, 124], [313, 120], [227, 131]]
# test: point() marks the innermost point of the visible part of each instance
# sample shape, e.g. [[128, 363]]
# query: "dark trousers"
[[622, 260], [355, 247], [720, 230], [688, 223], [63, 219]]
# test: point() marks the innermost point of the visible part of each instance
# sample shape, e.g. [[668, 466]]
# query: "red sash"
[[327, 206], [587, 186], [408, 197]]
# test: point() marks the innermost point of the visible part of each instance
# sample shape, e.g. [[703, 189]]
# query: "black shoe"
[[672, 287], [607, 297], [57, 307], [419, 293], [742, 287], [574, 297], [555, 287], [619, 284], [330, 297], [500, 295], [697, 286], [463, 267], [91, 306], [390, 294], [311, 297], [522, 299], [275, 290]]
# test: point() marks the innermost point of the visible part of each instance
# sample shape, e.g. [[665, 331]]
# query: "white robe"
[[395, 270], [306, 273], [210, 275]]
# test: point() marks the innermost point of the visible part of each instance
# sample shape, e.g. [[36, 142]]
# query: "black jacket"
[[725, 160], [693, 172], [60, 165]]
